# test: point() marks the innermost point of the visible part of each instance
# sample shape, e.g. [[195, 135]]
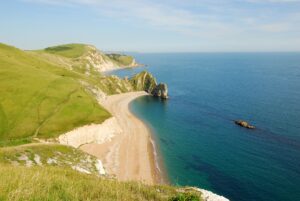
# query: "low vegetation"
[[56, 172], [46, 155], [69, 50], [41, 99], [54, 183], [121, 60]]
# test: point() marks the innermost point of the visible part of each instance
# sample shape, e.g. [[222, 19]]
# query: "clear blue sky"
[[153, 25]]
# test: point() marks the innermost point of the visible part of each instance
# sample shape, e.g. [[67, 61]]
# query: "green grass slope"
[[68, 50], [121, 60], [41, 99], [54, 183], [46, 155]]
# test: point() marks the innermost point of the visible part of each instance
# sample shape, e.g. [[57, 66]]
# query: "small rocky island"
[[244, 124]]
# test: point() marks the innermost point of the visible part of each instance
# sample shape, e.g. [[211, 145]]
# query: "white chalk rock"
[[94, 133]]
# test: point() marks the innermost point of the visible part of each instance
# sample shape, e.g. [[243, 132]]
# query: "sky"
[[153, 25]]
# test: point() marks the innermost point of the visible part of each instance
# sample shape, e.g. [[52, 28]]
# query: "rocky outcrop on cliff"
[[205, 194], [106, 62], [122, 60], [94, 58], [145, 81], [87, 59], [210, 196]]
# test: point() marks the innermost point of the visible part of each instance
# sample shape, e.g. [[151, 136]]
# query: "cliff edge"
[[147, 82]]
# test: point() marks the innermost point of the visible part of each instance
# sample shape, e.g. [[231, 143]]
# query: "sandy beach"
[[129, 153]]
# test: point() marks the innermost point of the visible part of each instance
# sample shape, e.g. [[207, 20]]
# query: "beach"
[[129, 154]]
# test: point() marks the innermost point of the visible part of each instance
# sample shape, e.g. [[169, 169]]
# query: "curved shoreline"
[[160, 168], [158, 159], [129, 155]]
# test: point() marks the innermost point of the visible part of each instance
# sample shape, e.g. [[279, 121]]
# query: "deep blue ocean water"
[[194, 130]]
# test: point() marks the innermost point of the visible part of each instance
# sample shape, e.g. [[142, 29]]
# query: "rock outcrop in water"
[[143, 81], [161, 90], [146, 81], [244, 124]]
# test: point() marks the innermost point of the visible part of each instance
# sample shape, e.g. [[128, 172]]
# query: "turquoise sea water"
[[198, 141]]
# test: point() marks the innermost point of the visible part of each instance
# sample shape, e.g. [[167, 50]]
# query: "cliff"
[[145, 81], [87, 58], [122, 60]]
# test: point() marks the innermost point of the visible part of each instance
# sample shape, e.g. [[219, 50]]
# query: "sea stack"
[[161, 90], [244, 124], [147, 82]]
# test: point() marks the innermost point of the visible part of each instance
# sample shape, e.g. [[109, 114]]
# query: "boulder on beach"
[[244, 124]]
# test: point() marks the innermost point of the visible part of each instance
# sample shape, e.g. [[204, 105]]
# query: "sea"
[[194, 129]]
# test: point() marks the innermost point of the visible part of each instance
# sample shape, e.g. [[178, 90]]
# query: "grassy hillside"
[[68, 50], [44, 95], [47, 155], [121, 60], [53, 183], [56, 172], [78, 50], [85, 58], [42, 99]]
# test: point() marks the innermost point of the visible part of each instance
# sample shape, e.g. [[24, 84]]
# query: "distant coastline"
[[109, 71]]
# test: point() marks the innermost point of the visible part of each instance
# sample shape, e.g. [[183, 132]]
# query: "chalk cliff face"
[[88, 59], [94, 58], [146, 81]]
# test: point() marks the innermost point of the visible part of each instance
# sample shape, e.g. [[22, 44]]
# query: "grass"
[[115, 85], [68, 50], [8, 154], [15, 142], [44, 181], [121, 60], [59, 155], [41, 99], [43, 96], [54, 183]]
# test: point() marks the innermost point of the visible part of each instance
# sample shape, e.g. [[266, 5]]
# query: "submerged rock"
[[244, 124]]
